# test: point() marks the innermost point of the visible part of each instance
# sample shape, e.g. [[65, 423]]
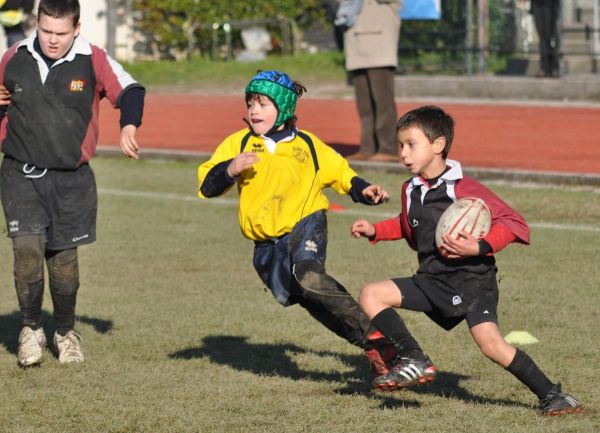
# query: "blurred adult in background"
[[546, 14], [331, 8], [13, 13], [371, 51]]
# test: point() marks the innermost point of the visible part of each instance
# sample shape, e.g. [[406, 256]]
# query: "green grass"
[[323, 66], [180, 335]]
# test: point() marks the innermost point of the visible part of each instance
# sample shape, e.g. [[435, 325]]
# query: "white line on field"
[[349, 212]]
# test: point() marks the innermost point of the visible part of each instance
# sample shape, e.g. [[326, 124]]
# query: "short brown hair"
[[60, 9], [433, 121]]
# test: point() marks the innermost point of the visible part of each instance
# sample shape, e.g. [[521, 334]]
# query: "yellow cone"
[[520, 337]]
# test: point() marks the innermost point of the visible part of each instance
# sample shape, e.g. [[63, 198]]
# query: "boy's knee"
[[495, 349], [28, 258], [370, 293], [310, 274]]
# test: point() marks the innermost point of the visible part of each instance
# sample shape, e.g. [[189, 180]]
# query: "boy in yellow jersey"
[[280, 172]]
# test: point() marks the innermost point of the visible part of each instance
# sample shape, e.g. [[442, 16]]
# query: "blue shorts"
[[274, 260]]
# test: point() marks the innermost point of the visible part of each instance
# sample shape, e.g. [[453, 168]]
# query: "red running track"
[[525, 137]]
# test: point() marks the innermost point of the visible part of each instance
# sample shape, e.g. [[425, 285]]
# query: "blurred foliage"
[[171, 24], [445, 38]]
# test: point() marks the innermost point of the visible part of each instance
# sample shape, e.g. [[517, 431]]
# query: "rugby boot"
[[31, 346], [68, 347], [559, 403], [406, 372]]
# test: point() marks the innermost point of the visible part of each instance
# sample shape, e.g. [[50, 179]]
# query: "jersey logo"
[[300, 154], [76, 86], [13, 226], [257, 147], [414, 222], [310, 246], [78, 238], [456, 300]]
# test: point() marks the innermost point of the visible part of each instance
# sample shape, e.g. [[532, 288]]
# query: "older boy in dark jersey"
[[51, 85], [280, 172], [460, 286]]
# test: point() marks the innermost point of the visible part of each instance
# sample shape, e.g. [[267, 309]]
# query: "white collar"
[[80, 46], [455, 173]]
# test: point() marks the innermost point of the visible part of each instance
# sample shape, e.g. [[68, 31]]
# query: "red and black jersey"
[[422, 206], [52, 120]]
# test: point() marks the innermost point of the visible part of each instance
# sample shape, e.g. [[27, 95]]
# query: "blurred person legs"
[[546, 14], [14, 34], [374, 90]]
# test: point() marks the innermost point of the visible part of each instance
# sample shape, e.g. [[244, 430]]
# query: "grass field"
[[180, 336], [201, 73]]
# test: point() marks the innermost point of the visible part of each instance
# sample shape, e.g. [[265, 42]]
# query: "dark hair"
[[434, 123], [60, 9]]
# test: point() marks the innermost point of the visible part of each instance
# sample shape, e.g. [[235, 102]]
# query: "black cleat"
[[559, 403], [406, 372]]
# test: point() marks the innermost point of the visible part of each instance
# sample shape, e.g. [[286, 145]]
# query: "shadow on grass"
[[268, 359], [446, 385], [10, 326], [274, 360]]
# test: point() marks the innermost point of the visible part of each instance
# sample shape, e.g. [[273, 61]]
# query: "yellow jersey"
[[285, 185]]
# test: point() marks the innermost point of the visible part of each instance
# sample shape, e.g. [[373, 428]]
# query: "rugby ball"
[[468, 214]]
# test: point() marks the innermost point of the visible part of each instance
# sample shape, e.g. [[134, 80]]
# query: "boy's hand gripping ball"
[[468, 214]]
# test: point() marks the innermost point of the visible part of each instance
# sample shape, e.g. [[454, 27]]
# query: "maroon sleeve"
[[502, 213], [111, 78], [388, 230], [499, 237], [5, 59]]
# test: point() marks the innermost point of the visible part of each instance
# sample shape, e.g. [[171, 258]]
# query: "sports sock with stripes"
[[391, 325], [524, 369]]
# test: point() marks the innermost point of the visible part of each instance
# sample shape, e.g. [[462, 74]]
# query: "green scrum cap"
[[279, 87]]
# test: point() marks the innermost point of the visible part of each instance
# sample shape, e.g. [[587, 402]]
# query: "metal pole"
[[469, 38], [111, 29], [596, 31], [227, 30], [215, 41], [131, 32], [482, 33]]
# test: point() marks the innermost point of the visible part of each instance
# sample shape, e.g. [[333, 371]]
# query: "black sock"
[[524, 369], [64, 312], [391, 325], [30, 301]]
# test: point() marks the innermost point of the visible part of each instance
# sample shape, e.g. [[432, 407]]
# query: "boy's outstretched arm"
[[241, 162], [224, 174], [365, 193], [362, 228], [376, 194]]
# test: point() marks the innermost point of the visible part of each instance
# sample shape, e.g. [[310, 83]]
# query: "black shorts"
[[450, 298], [59, 204]]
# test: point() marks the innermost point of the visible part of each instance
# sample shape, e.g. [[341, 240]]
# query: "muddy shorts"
[[59, 204]]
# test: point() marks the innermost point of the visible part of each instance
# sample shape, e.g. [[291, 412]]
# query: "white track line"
[[347, 212]]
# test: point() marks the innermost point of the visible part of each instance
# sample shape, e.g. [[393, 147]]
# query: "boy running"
[[449, 290], [280, 172], [50, 87]]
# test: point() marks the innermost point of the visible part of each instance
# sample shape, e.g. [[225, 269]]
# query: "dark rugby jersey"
[[422, 206], [52, 120]]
